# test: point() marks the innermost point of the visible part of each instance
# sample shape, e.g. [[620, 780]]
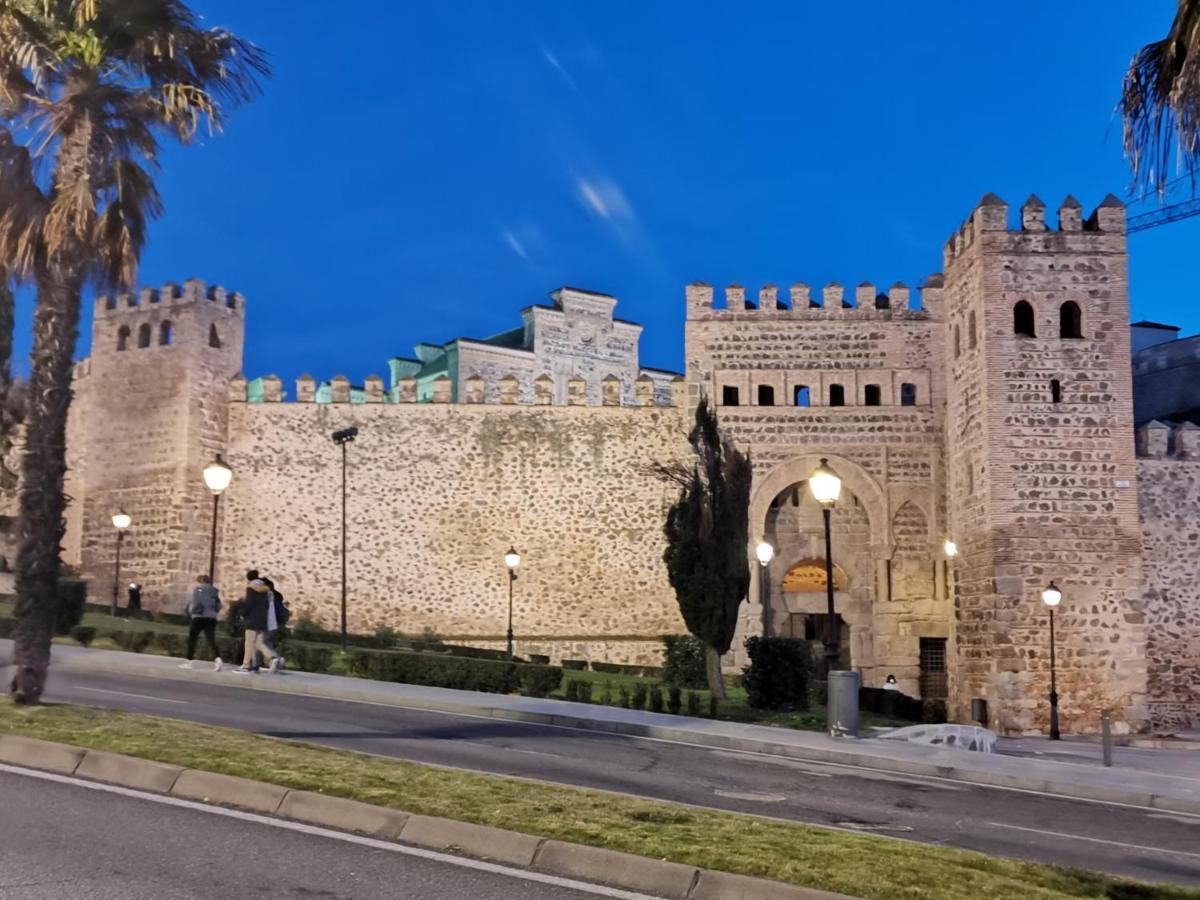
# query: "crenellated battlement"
[[1161, 440], [991, 216], [194, 290], [802, 302]]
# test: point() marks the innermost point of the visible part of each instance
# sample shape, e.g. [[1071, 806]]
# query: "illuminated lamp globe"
[[121, 521], [765, 552], [825, 484], [217, 475], [1052, 596], [512, 558], [950, 548]]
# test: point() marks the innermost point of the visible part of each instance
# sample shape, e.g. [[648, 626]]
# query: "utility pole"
[[341, 439]]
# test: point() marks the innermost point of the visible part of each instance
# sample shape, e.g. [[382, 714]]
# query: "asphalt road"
[[1145, 844], [67, 842]]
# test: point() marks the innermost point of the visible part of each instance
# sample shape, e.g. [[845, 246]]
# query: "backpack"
[[282, 613]]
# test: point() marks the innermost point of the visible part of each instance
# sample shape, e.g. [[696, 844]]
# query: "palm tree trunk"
[[8, 413], [43, 465]]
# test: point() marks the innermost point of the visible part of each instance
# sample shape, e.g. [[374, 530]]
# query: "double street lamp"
[[765, 553], [826, 487], [1052, 596], [121, 522], [512, 559], [217, 477]]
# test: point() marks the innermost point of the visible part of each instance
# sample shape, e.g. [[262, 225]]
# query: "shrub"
[[233, 620], [306, 629], [933, 712], [539, 681], [585, 692], [539, 659], [656, 699], [571, 692], [639, 696], [674, 700], [712, 706], [458, 673], [339, 664], [83, 634], [427, 640], [624, 696], [71, 597], [693, 704], [685, 664], [7, 627], [386, 637], [310, 659], [606, 696], [778, 674], [171, 644], [133, 641], [891, 703], [575, 665]]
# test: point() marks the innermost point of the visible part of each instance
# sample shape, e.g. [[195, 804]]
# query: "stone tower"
[[1042, 481], [150, 412]]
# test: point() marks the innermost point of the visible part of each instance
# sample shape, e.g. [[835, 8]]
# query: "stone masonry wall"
[[437, 493]]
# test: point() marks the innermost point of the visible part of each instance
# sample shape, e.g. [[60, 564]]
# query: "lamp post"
[[765, 553], [826, 487], [217, 476], [120, 522], [1052, 596], [341, 439], [512, 559]]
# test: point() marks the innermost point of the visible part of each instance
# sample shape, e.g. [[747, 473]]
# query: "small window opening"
[[957, 342], [1023, 322], [123, 338], [872, 396], [908, 394], [214, 339], [971, 330], [837, 395], [144, 336], [1056, 391], [800, 396], [164, 334], [110, 302], [729, 396], [1070, 320], [766, 395], [883, 301]]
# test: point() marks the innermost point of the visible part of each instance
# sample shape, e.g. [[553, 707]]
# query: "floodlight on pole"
[[121, 522], [217, 478], [512, 559], [1051, 597]]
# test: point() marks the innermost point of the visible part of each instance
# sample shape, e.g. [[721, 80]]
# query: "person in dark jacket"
[[202, 609], [255, 614]]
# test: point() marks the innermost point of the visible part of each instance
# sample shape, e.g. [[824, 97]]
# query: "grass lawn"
[[859, 865]]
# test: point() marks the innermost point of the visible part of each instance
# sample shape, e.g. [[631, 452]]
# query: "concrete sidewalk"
[[1145, 778]]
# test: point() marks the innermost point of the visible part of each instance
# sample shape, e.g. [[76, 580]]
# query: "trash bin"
[[843, 703], [979, 711]]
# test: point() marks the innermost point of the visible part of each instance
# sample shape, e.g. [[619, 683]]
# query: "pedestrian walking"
[[202, 610], [277, 616], [255, 614]]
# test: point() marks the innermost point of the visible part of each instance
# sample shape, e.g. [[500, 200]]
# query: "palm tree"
[[86, 89], [1160, 102]]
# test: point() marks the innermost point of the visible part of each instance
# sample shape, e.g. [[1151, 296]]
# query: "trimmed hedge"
[[685, 663], [456, 672], [902, 706], [778, 674], [72, 596]]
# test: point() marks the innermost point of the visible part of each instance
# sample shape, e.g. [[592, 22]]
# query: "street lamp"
[[826, 487], [120, 522], [512, 559], [950, 548], [341, 439], [1052, 596], [217, 476], [765, 553]]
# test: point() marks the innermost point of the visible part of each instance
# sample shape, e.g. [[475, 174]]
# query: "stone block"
[[636, 873], [228, 790], [128, 771], [727, 886], [36, 754], [342, 814], [481, 841]]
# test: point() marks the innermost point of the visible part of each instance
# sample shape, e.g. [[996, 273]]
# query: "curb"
[[660, 878], [847, 754]]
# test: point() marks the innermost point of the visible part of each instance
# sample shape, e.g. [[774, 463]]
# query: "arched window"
[[766, 395], [872, 396], [214, 339], [1056, 391], [1070, 320], [971, 330], [837, 395], [908, 394], [729, 396], [800, 396], [957, 343], [144, 336], [122, 338], [1023, 322], [164, 334]]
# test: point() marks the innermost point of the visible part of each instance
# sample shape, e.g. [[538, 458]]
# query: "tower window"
[[957, 342], [908, 394], [122, 338], [1056, 391], [144, 336], [837, 395], [1070, 320], [164, 334], [729, 396], [766, 395], [214, 339], [872, 395], [1023, 322], [971, 330], [800, 396]]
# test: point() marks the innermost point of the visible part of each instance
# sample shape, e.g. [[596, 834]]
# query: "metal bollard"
[[1106, 736]]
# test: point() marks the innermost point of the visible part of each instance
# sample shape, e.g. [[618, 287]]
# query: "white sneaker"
[[276, 663], [186, 665], [244, 670], [217, 664]]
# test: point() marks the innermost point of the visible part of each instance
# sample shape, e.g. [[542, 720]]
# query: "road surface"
[[1146, 844]]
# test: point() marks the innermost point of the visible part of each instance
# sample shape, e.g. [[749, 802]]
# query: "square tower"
[[1042, 479]]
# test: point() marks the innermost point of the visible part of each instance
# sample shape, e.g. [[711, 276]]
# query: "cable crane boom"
[[1164, 216]]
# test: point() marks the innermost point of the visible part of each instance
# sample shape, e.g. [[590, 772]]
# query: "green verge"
[[859, 865]]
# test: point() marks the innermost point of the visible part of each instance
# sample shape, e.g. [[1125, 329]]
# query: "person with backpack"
[[256, 612], [202, 610], [277, 616]]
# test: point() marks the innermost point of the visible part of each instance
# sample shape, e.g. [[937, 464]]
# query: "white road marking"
[[758, 798], [315, 830], [1080, 837], [137, 696]]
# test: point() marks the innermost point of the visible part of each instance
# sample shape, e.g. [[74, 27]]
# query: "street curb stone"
[[636, 873], [229, 790], [726, 886], [36, 754], [129, 771], [343, 814], [511, 847]]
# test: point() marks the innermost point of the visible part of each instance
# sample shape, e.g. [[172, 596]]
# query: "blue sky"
[[419, 171]]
